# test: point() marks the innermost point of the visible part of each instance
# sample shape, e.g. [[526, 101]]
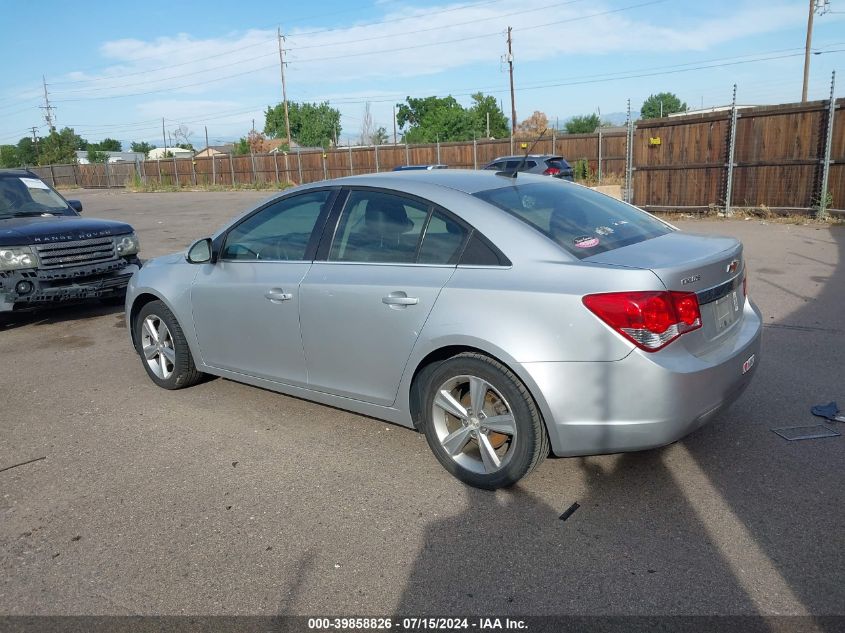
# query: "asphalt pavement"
[[228, 499]]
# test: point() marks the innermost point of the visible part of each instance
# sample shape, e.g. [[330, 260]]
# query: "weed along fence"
[[789, 158]]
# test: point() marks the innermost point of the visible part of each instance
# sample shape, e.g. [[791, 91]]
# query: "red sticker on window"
[[586, 242]]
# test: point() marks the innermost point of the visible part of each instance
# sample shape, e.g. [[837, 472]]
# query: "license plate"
[[726, 311]]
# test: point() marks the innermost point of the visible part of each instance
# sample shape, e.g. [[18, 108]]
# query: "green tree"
[[96, 155], [108, 145], [142, 147], [582, 124], [311, 124], [241, 147], [185, 146], [27, 151], [9, 156], [431, 119], [668, 102], [380, 136], [482, 106], [60, 147]]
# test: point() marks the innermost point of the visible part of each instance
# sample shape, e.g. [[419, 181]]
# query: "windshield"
[[582, 221], [26, 196]]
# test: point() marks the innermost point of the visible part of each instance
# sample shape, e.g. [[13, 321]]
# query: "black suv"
[[49, 254], [545, 164]]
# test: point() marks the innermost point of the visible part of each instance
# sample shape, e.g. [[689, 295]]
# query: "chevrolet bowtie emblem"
[[732, 267]]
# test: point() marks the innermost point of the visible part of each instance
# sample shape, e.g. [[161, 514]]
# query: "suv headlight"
[[16, 257], [127, 244]]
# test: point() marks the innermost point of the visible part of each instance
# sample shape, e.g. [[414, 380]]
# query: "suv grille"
[[76, 253]]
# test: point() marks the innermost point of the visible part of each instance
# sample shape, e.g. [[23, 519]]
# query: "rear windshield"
[[582, 221], [560, 163], [22, 196]]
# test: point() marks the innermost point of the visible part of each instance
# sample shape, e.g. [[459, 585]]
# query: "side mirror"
[[199, 252], [76, 205]]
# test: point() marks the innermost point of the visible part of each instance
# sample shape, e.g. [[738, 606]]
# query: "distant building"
[[710, 110], [176, 152], [216, 150], [114, 157]]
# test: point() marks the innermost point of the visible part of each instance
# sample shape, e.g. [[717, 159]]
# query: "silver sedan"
[[502, 316]]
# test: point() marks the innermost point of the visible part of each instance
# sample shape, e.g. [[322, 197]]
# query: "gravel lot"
[[227, 499]]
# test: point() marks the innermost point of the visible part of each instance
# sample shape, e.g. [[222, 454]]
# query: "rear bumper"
[[72, 284], [644, 400]]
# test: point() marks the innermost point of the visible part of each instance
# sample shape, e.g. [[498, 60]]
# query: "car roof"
[[16, 172], [466, 180], [521, 156]]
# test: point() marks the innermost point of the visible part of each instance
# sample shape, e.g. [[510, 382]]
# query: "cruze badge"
[[690, 280], [732, 267]]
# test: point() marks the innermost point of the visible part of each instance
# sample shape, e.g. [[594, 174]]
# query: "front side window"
[[279, 232], [582, 221]]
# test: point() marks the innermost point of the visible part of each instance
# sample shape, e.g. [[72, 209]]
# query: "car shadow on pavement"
[[58, 314], [732, 520]]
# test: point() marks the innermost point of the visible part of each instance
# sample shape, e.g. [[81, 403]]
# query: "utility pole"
[[35, 139], [163, 135], [284, 87], [206, 137], [488, 124], [807, 50], [510, 68], [48, 109], [394, 125]]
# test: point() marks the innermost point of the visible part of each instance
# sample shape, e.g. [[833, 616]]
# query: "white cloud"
[[409, 42]]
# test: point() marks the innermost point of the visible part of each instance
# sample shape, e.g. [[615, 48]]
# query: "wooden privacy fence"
[[778, 158], [677, 162]]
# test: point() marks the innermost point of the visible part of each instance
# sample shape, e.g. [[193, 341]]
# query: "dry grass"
[[762, 213], [138, 186]]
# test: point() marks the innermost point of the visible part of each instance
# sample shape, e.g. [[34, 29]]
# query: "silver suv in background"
[[543, 164]]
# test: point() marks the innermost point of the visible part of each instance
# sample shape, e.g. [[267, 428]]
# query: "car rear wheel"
[[163, 348], [481, 423]]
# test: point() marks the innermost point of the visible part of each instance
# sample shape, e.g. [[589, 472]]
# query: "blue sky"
[[115, 69]]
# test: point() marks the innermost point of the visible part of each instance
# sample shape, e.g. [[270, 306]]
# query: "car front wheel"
[[481, 422], [163, 348]]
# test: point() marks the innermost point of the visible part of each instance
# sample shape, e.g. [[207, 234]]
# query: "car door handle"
[[277, 295], [399, 299]]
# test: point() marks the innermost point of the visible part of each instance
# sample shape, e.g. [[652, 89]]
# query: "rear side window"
[[559, 163], [580, 220]]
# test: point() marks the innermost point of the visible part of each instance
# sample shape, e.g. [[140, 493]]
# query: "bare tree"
[[367, 126], [182, 135]]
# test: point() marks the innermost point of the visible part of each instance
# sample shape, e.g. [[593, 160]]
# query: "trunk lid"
[[710, 266]]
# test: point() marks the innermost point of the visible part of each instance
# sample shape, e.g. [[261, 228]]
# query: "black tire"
[[184, 372], [532, 442]]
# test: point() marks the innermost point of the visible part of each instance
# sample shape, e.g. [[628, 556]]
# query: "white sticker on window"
[[34, 183]]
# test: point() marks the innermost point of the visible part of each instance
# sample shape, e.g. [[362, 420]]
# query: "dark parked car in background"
[[48, 253], [544, 164]]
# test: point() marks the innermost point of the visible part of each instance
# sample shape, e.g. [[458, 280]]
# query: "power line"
[[379, 51], [296, 48], [248, 46]]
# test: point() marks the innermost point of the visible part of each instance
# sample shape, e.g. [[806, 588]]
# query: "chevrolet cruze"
[[504, 316]]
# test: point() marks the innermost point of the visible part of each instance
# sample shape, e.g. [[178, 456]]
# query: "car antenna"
[[512, 174]]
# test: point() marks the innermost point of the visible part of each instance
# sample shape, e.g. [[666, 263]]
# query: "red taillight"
[[552, 171], [650, 319]]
